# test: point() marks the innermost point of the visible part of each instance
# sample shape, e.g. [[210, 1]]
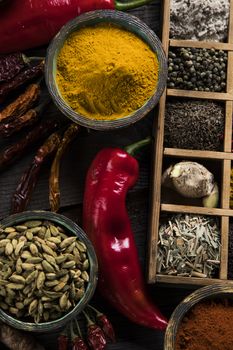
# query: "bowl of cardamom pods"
[[48, 270], [105, 69]]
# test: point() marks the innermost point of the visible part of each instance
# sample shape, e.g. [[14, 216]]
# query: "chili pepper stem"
[[78, 328], [89, 321], [123, 6], [135, 147], [98, 313]]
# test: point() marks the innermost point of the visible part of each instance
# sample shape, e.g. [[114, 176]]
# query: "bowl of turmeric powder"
[[106, 69], [203, 320]]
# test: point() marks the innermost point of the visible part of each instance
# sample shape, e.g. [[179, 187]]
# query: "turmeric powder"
[[105, 72]]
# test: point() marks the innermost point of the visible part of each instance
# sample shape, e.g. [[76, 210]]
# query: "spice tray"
[[163, 203]]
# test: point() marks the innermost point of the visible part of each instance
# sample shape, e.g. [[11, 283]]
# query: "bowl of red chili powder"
[[203, 320]]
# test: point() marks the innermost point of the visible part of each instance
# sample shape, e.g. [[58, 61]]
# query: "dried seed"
[[85, 265], [41, 233], [85, 276], [15, 286], [13, 310], [59, 286], [68, 265], [33, 249], [3, 306], [34, 230], [54, 230], [51, 283], [29, 235], [79, 294], [46, 316], [17, 279], [39, 267], [28, 267], [51, 294], [70, 248], [19, 247], [52, 245], [32, 306], [3, 282], [32, 223], [47, 249], [4, 242], [9, 249], [12, 235], [19, 305], [63, 301], [18, 265], [26, 255], [47, 266], [34, 260], [40, 280], [56, 240], [9, 229], [60, 259], [64, 278], [48, 305], [62, 272], [40, 309], [47, 233], [21, 228], [14, 242], [51, 276], [81, 246], [2, 292], [67, 241]]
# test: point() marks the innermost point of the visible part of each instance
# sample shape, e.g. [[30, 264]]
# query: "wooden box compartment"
[[170, 196], [219, 161]]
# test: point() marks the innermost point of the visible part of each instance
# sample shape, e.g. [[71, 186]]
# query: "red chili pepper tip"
[[95, 337], [106, 326], [78, 344], [63, 342]]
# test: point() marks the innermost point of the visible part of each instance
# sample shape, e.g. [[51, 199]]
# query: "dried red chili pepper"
[[95, 336], [23, 77], [29, 179], [15, 151], [106, 222], [33, 25], [76, 339], [14, 124], [11, 65], [105, 324], [63, 342], [54, 190], [22, 103]]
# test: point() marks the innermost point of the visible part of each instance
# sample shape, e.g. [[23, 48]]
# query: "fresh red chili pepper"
[[30, 23], [95, 336], [106, 222]]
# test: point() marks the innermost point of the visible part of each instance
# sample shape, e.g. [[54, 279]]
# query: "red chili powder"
[[207, 326]]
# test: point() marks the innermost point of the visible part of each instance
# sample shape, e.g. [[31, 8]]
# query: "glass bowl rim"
[[216, 290], [72, 228], [129, 22]]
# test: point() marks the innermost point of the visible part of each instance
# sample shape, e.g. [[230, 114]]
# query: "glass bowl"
[[73, 229], [215, 291], [126, 21]]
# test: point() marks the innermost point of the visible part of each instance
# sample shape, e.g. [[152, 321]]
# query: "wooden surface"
[[74, 167], [221, 161]]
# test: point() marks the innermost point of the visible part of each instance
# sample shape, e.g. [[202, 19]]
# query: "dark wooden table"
[[74, 167]]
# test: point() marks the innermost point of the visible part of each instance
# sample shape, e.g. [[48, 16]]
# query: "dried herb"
[[15, 151], [22, 103], [29, 179], [189, 245], [54, 190], [23, 77], [194, 124], [14, 124], [11, 65], [197, 69]]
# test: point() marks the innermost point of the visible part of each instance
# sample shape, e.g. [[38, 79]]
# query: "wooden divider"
[[224, 213]]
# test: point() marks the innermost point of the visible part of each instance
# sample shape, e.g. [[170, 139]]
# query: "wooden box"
[[223, 160]]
